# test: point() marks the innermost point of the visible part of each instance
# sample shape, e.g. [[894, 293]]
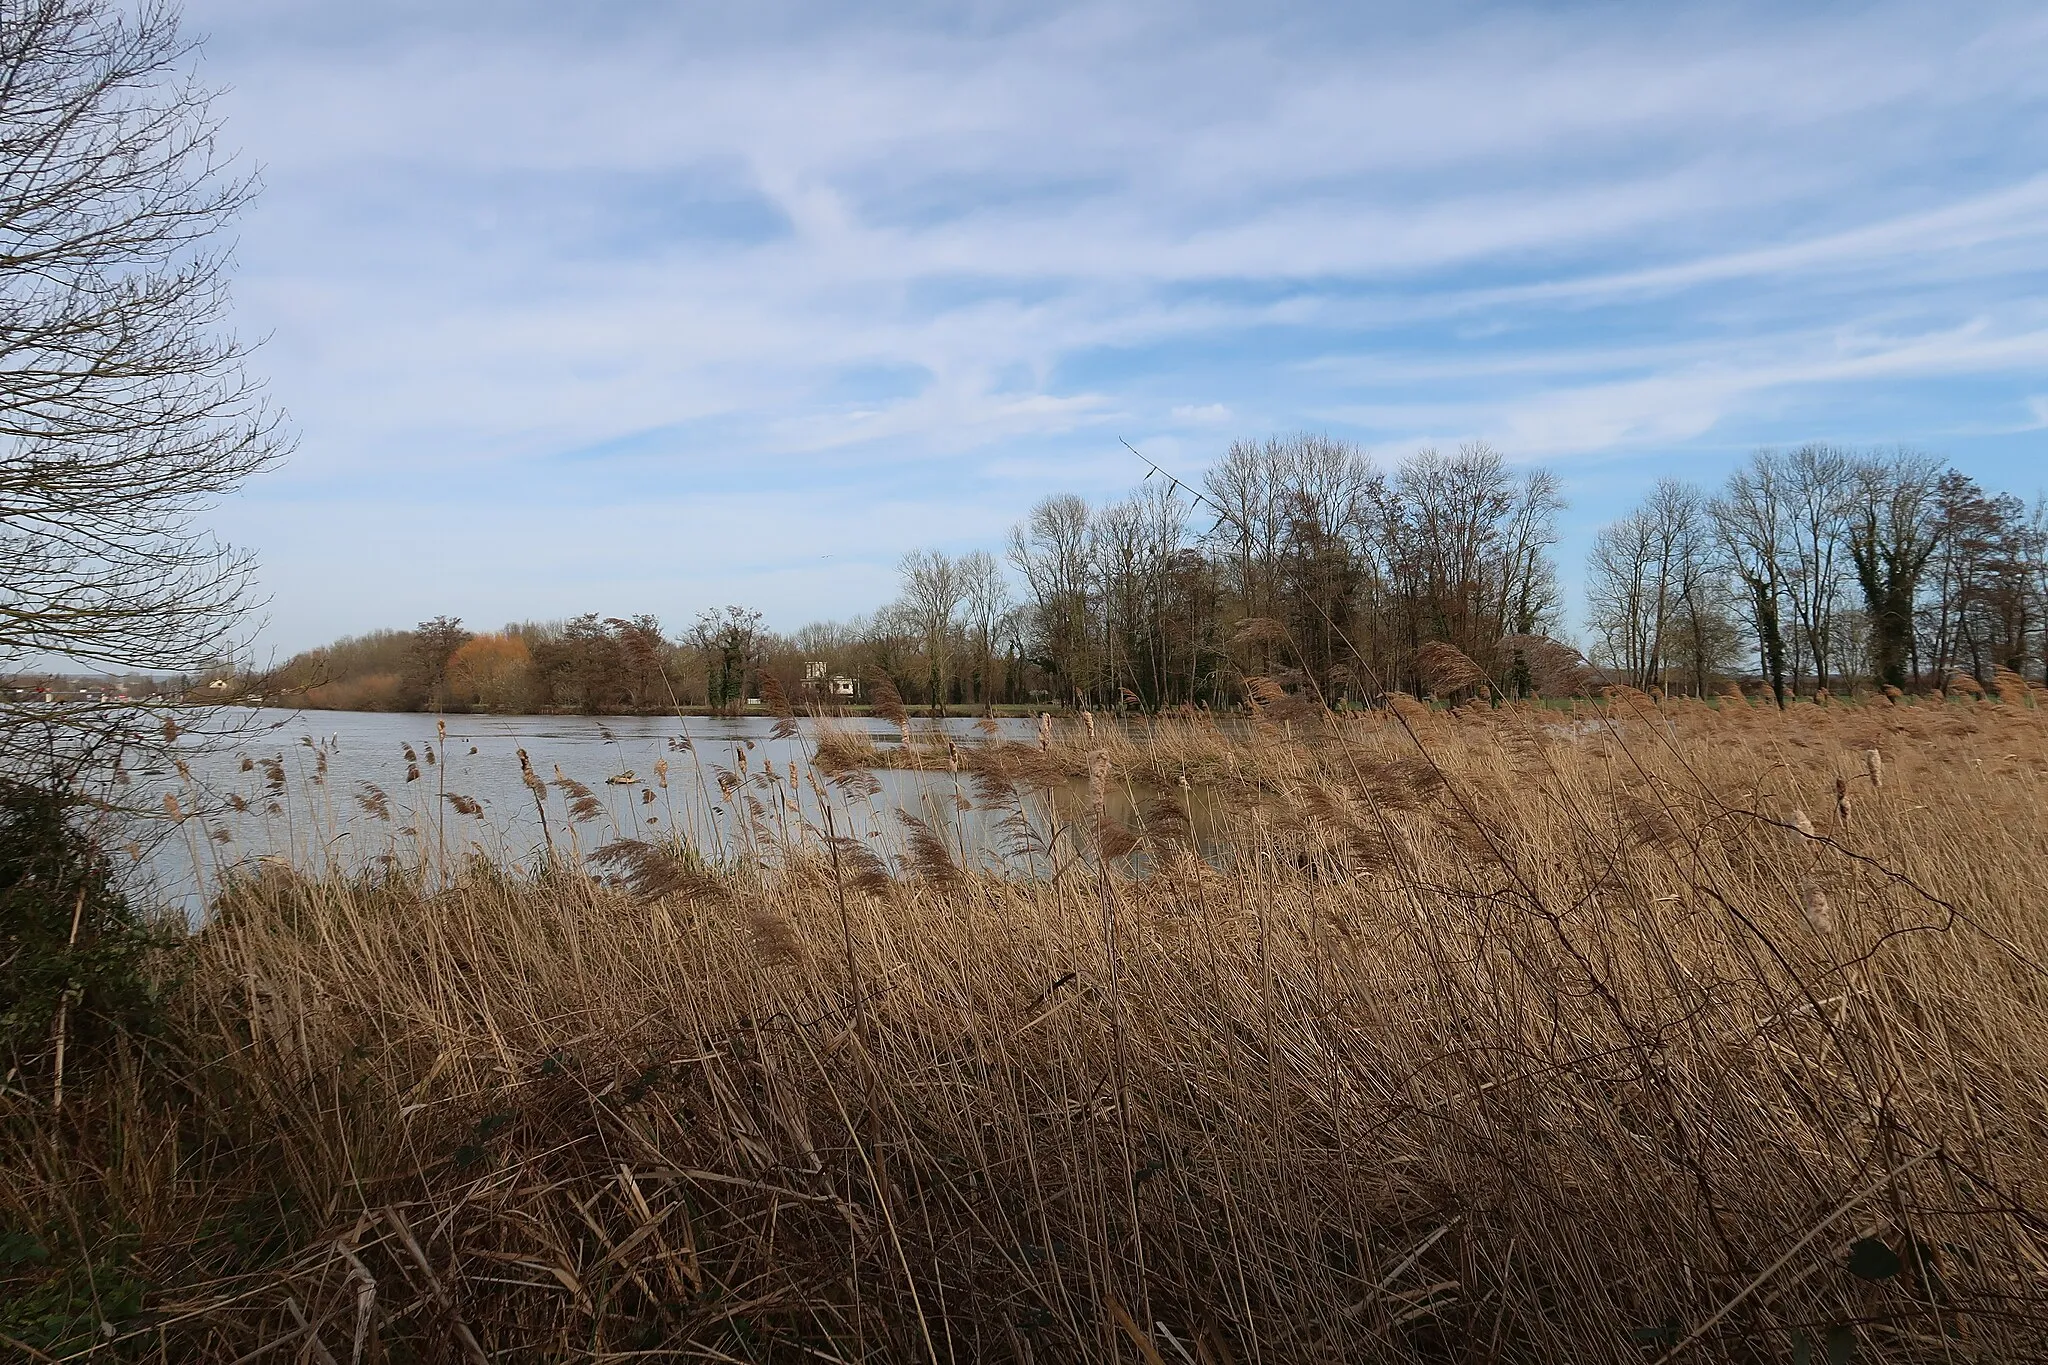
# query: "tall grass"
[[1613, 1035]]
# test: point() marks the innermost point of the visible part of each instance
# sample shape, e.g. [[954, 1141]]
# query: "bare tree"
[[1464, 542], [2035, 569], [426, 676], [988, 600], [1245, 490], [1749, 522], [933, 588], [1819, 484], [1644, 584], [1979, 607], [1051, 550], [1528, 595], [1625, 597], [124, 406], [1171, 635], [1325, 488]]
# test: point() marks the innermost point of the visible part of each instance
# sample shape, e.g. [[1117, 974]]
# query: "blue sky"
[[627, 307]]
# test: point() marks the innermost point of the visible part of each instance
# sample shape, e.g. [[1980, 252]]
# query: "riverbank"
[[753, 708], [1665, 1030]]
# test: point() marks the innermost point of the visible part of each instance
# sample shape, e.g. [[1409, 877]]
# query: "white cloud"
[[1676, 404], [687, 252]]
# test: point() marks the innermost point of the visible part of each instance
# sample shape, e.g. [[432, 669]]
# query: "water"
[[303, 786]]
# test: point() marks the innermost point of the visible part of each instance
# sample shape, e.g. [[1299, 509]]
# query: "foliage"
[[425, 680], [60, 1298], [1315, 564], [355, 673], [730, 642], [71, 946], [494, 672]]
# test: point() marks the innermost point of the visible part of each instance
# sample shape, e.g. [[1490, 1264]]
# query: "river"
[[345, 790]]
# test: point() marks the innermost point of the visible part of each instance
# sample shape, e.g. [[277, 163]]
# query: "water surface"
[[343, 789]]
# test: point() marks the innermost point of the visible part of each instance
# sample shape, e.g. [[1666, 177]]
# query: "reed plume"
[[777, 702], [888, 702], [1525, 1036], [651, 872], [372, 799], [930, 859], [1446, 669]]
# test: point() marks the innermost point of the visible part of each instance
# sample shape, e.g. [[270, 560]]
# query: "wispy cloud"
[[622, 257]]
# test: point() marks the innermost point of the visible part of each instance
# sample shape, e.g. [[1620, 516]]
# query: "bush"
[[70, 942]]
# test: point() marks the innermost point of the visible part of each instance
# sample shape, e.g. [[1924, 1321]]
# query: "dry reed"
[[1479, 1035]]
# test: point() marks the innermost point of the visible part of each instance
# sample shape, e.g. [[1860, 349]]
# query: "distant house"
[[819, 677]]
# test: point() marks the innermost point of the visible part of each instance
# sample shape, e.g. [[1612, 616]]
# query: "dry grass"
[[1487, 1035]]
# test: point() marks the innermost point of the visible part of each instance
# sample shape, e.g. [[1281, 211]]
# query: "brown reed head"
[[372, 799], [1355, 1084], [1445, 669], [887, 701], [777, 701]]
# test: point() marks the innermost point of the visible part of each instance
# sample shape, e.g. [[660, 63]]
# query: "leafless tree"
[[1051, 551], [1819, 484], [1464, 541], [2036, 575], [933, 589], [729, 642], [1245, 489], [1647, 593], [1750, 524], [988, 601], [124, 404]]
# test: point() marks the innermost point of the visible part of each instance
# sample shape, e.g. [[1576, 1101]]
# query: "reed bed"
[[1641, 1032]]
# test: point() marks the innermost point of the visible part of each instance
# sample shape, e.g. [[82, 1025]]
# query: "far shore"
[[754, 707]]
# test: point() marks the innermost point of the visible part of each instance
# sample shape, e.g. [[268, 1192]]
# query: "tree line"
[[1818, 569], [593, 664], [1300, 560], [1294, 558]]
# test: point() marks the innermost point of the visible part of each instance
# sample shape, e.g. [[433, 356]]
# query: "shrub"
[[70, 943]]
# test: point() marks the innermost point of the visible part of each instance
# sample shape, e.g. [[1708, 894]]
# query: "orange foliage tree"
[[493, 671]]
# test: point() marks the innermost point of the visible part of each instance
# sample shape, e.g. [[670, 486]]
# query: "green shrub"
[[70, 942]]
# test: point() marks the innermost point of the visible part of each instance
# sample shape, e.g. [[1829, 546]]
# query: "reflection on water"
[[342, 790]]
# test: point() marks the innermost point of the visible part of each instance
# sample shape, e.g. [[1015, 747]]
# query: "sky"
[[651, 308]]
